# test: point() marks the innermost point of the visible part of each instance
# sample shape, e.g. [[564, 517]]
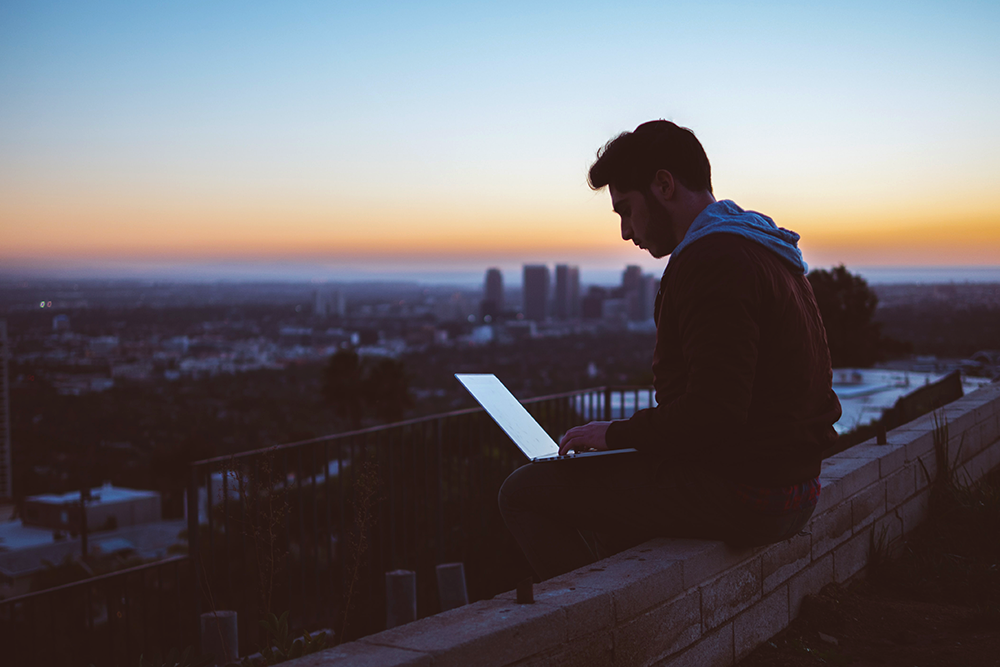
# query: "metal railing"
[[106, 620], [285, 528], [282, 528]]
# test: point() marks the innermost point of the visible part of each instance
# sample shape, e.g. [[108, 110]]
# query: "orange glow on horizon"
[[48, 232]]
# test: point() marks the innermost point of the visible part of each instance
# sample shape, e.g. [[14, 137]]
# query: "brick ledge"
[[690, 602]]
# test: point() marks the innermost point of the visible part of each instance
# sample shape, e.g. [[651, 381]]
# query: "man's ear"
[[663, 185]]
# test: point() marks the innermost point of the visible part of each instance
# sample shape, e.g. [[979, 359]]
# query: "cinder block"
[[899, 486], [851, 556], [633, 580], [891, 456], [809, 582], [963, 446], [490, 632], [701, 558], [917, 441], [593, 651], [360, 654], [994, 451], [867, 506], [923, 422], [925, 470], [646, 576], [830, 529], [988, 431], [889, 530], [958, 419], [760, 622], [782, 560], [985, 411], [588, 610], [976, 468], [914, 511], [831, 494], [969, 402], [714, 650], [852, 474], [730, 593], [660, 632]]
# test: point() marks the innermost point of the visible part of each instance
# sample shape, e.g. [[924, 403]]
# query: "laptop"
[[516, 422]]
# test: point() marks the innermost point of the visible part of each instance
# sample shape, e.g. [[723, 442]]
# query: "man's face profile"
[[645, 221]]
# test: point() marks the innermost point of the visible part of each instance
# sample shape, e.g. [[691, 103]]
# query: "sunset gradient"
[[448, 135]]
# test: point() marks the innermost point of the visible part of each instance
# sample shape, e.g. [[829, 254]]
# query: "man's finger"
[[566, 444]]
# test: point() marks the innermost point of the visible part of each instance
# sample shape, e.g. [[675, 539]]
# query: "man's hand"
[[582, 438]]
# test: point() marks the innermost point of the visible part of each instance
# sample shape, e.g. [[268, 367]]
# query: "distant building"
[[638, 293], [457, 307], [6, 473], [567, 301], [107, 507], [615, 310], [631, 278], [326, 304], [517, 330], [60, 323], [177, 344], [642, 298], [30, 550], [592, 306], [492, 304], [536, 292], [139, 371], [103, 346]]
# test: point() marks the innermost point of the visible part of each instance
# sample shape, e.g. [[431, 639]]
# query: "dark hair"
[[631, 160]]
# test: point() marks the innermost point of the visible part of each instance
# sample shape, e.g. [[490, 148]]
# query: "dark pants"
[[626, 500]]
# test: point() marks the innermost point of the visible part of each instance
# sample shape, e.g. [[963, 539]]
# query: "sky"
[[328, 139]]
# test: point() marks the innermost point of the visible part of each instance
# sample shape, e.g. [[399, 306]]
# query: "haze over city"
[[315, 141]]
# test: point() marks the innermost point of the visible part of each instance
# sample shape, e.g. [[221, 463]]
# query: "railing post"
[[84, 545], [400, 598], [452, 592], [194, 527], [607, 404], [440, 493], [220, 636]]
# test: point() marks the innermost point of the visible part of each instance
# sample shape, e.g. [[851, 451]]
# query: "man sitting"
[[741, 369]]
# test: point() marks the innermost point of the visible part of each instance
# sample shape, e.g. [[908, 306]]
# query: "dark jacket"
[[741, 368]]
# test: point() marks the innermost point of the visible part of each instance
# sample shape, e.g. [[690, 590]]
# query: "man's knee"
[[519, 490], [512, 490]]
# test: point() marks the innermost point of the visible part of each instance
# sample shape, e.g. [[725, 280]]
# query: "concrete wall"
[[689, 602]]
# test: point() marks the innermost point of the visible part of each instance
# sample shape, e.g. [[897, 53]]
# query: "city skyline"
[[222, 139]]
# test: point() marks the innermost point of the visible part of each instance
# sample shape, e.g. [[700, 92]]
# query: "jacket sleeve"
[[717, 306]]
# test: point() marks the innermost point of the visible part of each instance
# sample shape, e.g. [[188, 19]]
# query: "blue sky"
[[461, 133]]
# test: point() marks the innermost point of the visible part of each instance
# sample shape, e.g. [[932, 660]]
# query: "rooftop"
[[101, 494]]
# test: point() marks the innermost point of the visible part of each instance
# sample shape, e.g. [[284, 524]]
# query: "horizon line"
[[300, 273]]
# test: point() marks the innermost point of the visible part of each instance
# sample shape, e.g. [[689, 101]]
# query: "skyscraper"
[[592, 306], [492, 303], [646, 297], [567, 301], [329, 303], [631, 278], [639, 291], [536, 292], [6, 474]]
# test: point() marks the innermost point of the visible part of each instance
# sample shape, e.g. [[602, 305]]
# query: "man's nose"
[[626, 230]]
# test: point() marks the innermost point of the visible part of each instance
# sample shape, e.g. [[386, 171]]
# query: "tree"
[[342, 385], [354, 385], [847, 305], [387, 389]]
